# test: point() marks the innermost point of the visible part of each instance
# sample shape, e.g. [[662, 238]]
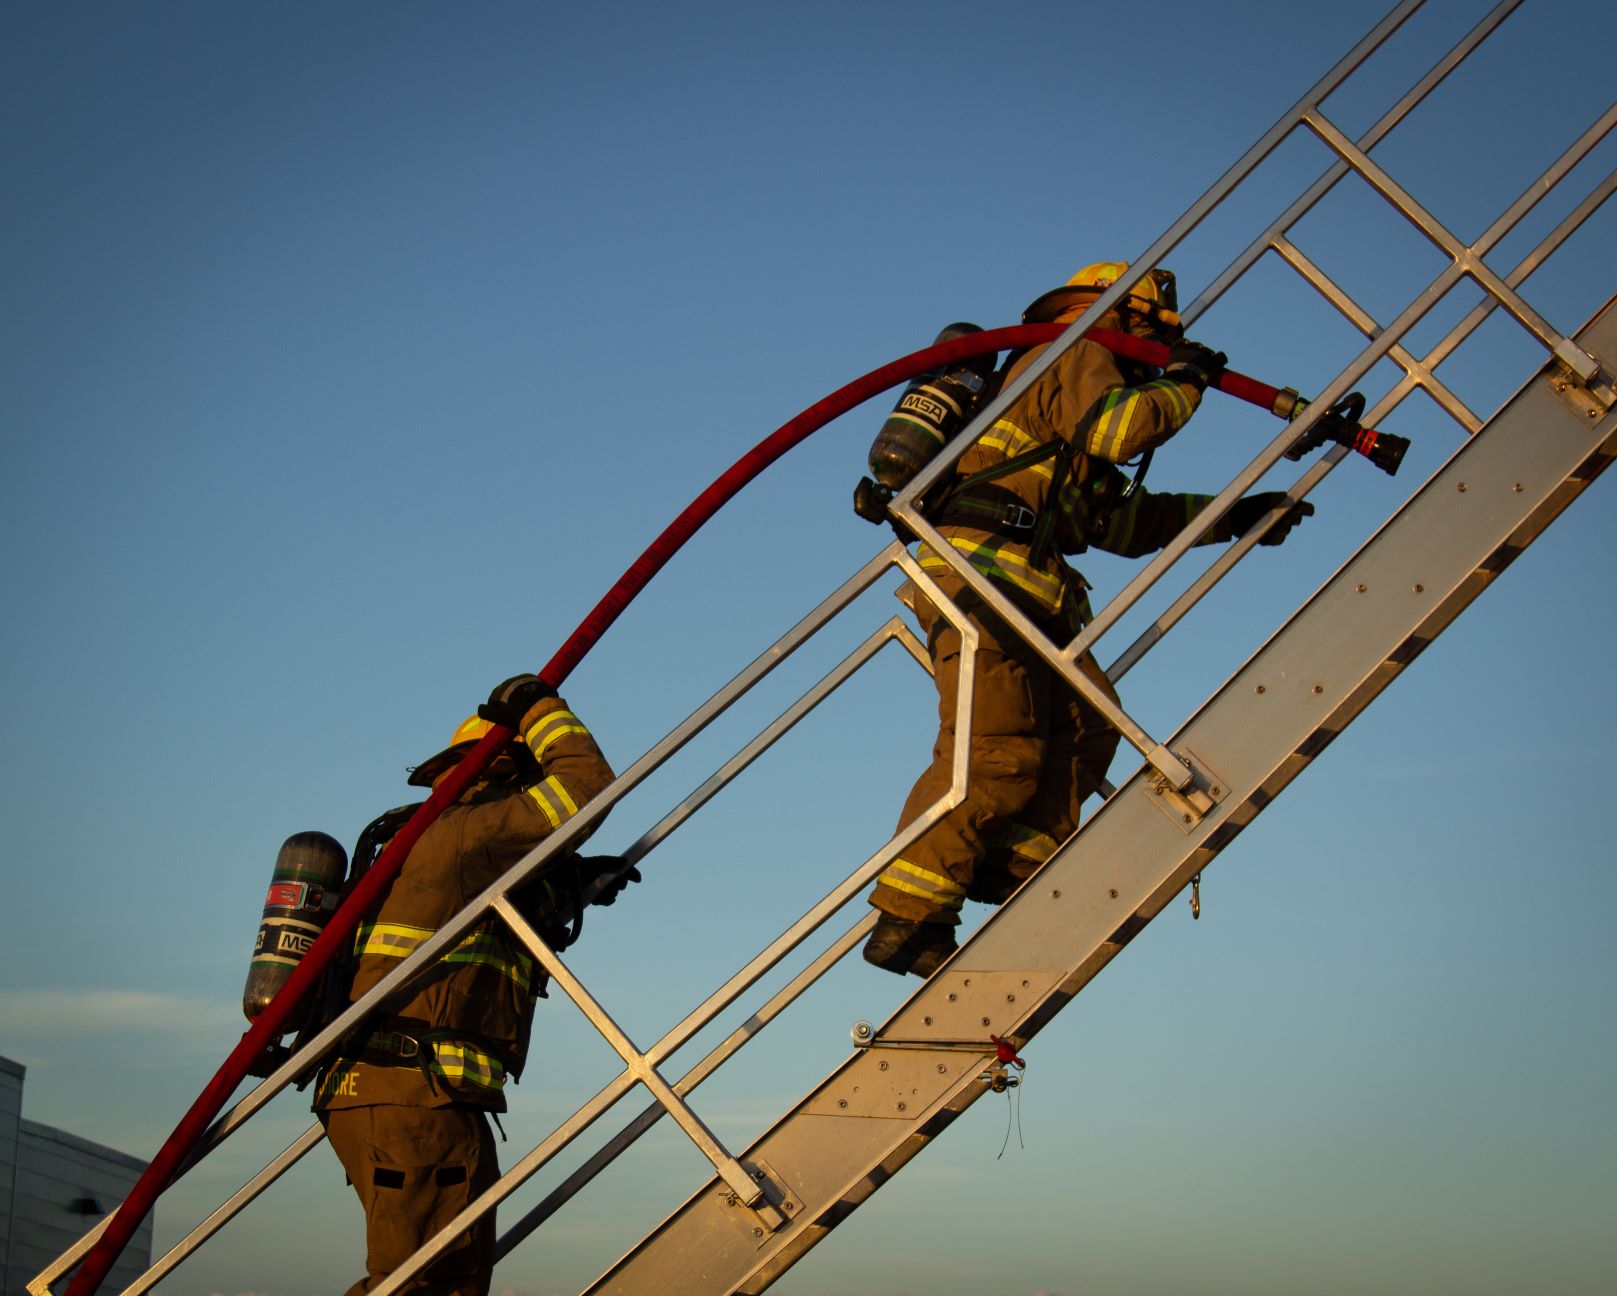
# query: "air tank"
[[303, 892]]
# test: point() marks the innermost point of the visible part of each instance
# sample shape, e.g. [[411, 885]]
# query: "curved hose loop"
[[166, 1166]]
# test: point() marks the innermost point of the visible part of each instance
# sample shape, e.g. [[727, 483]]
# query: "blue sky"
[[349, 353]]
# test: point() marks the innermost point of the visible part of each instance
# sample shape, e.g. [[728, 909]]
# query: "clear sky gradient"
[[349, 352]]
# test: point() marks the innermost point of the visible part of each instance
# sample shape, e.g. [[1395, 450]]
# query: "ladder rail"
[[1466, 258], [228, 1210], [1327, 181], [640, 1068], [905, 506], [893, 630], [1321, 668], [1569, 224], [234, 1117], [654, 1112]]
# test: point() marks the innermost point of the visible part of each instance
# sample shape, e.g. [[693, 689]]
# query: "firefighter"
[[1037, 749], [404, 1099]]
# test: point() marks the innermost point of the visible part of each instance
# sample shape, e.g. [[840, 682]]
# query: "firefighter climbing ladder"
[[909, 1078]]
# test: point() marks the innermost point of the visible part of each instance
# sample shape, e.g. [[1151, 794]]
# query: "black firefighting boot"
[[900, 946]]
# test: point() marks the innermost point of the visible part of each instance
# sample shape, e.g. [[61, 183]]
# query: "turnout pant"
[[415, 1169], [1037, 751]]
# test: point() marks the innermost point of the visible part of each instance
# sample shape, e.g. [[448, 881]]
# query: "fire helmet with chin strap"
[[1151, 308], [466, 735]]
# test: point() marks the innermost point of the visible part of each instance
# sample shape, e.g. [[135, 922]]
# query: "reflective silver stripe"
[[389, 940], [492, 951], [399, 940], [553, 800], [455, 1061], [914, 880]]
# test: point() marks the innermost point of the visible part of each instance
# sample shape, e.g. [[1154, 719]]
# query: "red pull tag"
[[1007, 1053]]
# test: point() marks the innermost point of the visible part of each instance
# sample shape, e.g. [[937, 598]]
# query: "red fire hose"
[[269, 1025]]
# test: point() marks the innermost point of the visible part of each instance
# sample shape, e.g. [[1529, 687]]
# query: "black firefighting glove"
[[596, 868], [1247, 512], [1194, 363], [266, 1063], [511, 699]]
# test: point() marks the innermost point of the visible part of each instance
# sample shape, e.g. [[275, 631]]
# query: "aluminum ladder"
[[909, 1078]]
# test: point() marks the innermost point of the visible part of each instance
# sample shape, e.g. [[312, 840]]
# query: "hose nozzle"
[[1341, 425]]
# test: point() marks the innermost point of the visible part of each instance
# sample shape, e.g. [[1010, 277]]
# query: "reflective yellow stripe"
[[389, 940], [1000, 563], [1014, 443], [1180, 406], [1120, 529], [551, 726], [398, 940], [454, 1061], [1110, 431], [1029, 843], [914, 880], [491, 951], [553, 800], [1108, 438]]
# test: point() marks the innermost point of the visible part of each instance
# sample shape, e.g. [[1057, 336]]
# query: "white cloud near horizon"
[[51, 1012]]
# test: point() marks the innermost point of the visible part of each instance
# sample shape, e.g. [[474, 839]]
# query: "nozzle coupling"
[[1383, 449], [1289, 403], [1341, 425]]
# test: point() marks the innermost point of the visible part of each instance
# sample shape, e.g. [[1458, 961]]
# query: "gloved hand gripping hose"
[[170, 1160], [1340, 425]]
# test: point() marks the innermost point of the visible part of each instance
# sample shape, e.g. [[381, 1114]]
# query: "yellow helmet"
[[1151, 306], [467, 733]]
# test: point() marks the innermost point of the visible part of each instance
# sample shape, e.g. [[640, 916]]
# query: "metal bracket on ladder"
[[1187, 807], [1592, 398], [773, 1211]]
